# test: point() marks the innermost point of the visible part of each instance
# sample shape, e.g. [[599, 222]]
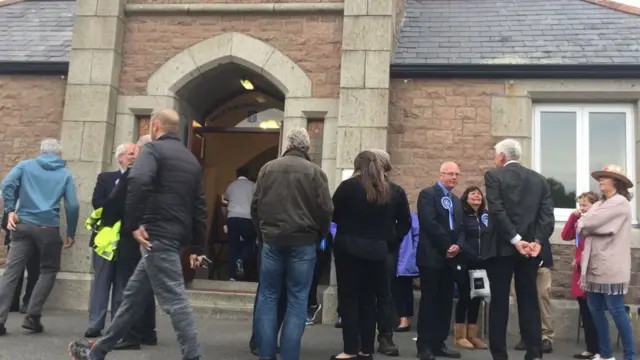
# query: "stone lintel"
[[296, 107]]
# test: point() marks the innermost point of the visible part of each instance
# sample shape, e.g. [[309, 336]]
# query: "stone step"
[[221, 304]]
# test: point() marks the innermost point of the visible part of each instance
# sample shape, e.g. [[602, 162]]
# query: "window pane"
[[558, 156], [607, 142]]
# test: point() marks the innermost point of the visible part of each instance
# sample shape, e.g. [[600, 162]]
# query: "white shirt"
[[239, 194]]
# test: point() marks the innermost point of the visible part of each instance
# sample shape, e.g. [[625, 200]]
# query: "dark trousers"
[[467, 309], [144, 329], [402, 290], [33, 273], [323, 258], [242, 246], [589, 327], [385, 308], [436, 303], [500, 271], [358, 285]]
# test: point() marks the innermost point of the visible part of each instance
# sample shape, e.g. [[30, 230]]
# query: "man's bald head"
[[164, 121], [449, 174], [144, 139]]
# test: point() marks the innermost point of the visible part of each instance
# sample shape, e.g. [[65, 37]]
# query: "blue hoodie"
[[41, 183]]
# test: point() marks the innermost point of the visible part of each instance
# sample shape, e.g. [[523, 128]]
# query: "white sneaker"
[[598, 357]]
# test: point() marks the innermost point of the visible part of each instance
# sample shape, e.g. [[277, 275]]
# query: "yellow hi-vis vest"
[[105, 243]]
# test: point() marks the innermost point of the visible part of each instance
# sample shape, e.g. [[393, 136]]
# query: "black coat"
[[105, 184], [113, 211], [436, 236], [165, 194]]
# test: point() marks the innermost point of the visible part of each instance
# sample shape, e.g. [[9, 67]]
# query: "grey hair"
[[50, 146], [383, 159], [298, 138], [121, 149], [145, 139], [511, 149]]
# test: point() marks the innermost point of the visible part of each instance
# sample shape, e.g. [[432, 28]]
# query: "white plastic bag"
[[479, 284]]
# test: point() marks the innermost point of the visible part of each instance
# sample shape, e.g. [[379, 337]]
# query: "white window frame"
[[582, 142]]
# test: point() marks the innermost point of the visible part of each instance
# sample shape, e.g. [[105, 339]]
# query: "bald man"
[[441, 219], [165, 210]]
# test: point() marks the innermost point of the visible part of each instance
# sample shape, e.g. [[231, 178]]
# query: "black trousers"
[[144, 329], [500, 271], [402, 290], [436, 303], [33, 273], [358, 285], [242, 246], [282, 304], [467, 309], [323, 259], [589, 327]]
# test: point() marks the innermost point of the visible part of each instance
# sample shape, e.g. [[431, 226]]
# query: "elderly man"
[[520, 220], [40, 183], [292, 209], [441, 220], [165, 209], [103, 269]]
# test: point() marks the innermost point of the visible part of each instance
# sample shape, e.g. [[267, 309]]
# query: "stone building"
[[428, 80]]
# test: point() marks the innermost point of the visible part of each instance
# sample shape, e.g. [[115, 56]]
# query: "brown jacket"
[[291, 203]]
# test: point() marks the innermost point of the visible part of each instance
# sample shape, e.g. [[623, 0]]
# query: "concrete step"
[[222, 299]]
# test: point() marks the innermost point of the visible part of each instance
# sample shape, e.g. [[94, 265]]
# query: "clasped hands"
[[453, 251], [528, 249]]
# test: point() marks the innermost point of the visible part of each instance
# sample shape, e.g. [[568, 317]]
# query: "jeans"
[[290, 267], [598, 303]]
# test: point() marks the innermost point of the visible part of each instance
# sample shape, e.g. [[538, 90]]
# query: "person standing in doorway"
[[40, 183], [103, 269], [165, 210], [242, 233]]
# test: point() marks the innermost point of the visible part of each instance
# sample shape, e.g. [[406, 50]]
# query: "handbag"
[[479, 284], [362, 248]]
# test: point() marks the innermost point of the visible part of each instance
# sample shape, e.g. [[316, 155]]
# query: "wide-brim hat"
[[614, 172]]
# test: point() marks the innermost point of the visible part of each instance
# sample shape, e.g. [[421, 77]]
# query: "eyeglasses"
[[451, 174]]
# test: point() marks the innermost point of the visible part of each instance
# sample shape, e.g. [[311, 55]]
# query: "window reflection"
[[558, 157], [607, 142]]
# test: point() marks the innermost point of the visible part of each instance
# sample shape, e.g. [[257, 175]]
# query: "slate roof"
[[516, 32], [36, 31]]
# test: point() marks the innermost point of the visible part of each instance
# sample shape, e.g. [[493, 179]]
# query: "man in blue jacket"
[[41, 182]]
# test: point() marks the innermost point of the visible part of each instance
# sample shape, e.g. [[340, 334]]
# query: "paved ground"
[[221, 340]]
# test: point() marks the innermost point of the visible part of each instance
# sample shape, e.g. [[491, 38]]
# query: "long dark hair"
[[370, 173], [465, 205]]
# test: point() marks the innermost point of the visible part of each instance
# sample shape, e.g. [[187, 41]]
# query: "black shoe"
[[403, 329], [386, 345], [520, 346], [365, 357], [239, 269], [126, 345], [3, 330], [547, 346], [92, 333], [339, 323], [23, 309], [253, 347], [312, 313], [32, 323], [426, 355], [445, 352], [152, 341]]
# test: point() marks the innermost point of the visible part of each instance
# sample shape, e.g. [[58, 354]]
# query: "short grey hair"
[[511, 149], [144, 140], [50, 146], [298, 138], [121, 149], [383, 158]]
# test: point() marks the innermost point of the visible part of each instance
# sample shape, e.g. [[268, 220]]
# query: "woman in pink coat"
[[585, 201]]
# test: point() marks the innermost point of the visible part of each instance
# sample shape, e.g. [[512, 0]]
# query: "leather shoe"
[[446, 353], [126, 345], [92, 333], [426, 355]]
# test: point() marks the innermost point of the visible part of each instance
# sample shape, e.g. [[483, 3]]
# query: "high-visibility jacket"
[[107, 237]]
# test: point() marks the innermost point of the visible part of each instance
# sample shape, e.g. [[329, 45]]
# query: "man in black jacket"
[[441, 220], [166, 210], [520, 219]]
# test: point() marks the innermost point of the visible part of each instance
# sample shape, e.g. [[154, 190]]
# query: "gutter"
[[34, 68], [515, 71]]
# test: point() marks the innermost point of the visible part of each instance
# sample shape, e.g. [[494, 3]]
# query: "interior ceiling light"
[[248, 85], [269, 124]]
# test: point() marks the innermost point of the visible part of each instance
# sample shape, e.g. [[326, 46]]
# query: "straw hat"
[[614, 172]]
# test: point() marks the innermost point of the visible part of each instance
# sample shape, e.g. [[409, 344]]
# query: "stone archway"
[[230, 47]]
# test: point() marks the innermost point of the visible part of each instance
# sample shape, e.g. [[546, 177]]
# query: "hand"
[[534, 249], [12, 221], [142, 238], [453, 251], [522, 247], [69, 243], [196, 261], [577, 213]]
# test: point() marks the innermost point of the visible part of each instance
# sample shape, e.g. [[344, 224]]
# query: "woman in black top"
[[467, 309], [368, 211]]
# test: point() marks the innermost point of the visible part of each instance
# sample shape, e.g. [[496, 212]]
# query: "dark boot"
[[32, 323], [386, 345], [445, 352], [3, 330], [127, 345]]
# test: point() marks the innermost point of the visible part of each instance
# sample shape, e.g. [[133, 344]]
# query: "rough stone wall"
[[30, 111], [312, 41]]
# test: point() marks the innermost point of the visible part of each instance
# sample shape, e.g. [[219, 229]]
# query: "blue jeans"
[[291, 267], [598, 303]]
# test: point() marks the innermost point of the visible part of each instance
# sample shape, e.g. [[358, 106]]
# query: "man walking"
[[103, 269], [441, 220], [242, 233], [292, 209], [520, 219], [165, 209], [40, 183]]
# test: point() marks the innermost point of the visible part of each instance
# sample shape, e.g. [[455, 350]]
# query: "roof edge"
[[34, 68], [515, 71], [611, 4], [9, 2]]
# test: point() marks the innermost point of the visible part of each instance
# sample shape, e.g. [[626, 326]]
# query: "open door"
[[196, 141]]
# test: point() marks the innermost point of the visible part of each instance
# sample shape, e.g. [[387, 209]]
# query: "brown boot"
[[472, 335], [461, 337]]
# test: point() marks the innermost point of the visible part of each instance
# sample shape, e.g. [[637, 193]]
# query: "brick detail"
[[30, 111], [228, 1], [313, 42], [617, 6], [316, 130]]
